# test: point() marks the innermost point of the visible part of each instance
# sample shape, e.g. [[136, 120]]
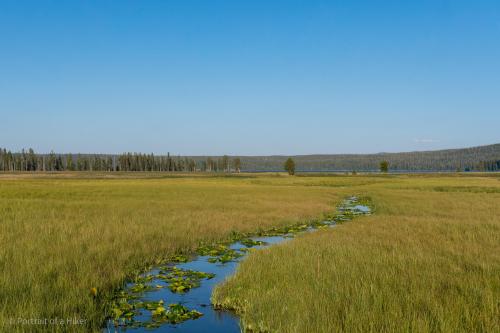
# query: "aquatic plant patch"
[[248, 242], [181, 280], [127, 312], [174, 314], [124, 313]]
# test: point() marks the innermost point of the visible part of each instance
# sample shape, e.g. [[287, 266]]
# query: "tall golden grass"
[[63, 234], [427, 261]]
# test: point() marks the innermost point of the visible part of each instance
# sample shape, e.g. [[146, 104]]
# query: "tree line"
[[493, 165], [28, 160], [482, 158]]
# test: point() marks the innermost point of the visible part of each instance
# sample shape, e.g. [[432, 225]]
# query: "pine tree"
[[32, 160], [51, 162], [290, 166], [69, 163], [225, 163], [384, 166]]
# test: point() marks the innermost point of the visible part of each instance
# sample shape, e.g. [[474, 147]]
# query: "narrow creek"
[[175, 297]]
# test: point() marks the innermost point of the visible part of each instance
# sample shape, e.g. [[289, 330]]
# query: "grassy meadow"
[[428, 260], [63, 234]]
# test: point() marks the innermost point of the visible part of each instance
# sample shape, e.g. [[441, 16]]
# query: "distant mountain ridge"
[[438, 160]]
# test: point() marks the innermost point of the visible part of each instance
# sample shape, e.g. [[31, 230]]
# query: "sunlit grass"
[[63, 235], [428, 258], [427, 261]]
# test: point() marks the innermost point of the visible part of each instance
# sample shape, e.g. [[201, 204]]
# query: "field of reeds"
[[63, 234], [428, 259]]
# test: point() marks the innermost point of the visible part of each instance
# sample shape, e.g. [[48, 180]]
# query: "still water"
[[198, 297]]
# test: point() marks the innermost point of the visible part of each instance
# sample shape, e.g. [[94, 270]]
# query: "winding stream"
[[175, 297]]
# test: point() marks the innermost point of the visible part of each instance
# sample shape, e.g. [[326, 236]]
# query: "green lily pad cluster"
[[179, 258], [142, 284], [220, 253], [178, 280], [124, 311], [181, 280], [248, 242], [287, 231], [173, 314], [140, 287], [125, 307], [229, 255], [174, 271], [350, 208]]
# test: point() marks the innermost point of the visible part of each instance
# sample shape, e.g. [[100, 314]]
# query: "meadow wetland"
[[124, 251], [69, 240], [141, 305]]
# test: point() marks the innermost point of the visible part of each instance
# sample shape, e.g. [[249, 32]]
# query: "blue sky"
[[249, 77]]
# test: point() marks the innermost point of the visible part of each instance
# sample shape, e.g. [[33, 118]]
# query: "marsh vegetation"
[[63, 235], [141, 303], [427, 260]]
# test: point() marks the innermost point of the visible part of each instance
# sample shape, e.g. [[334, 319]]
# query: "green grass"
[[62, 235], [427, 261]]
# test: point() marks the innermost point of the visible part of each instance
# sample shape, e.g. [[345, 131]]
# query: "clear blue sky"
[[249, 77]]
